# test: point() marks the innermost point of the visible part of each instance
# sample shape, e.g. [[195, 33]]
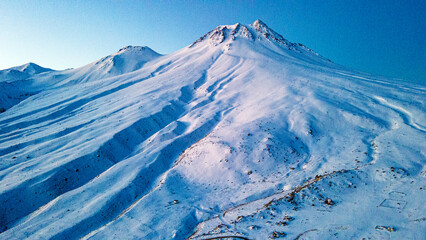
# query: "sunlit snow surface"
[[240, 134]]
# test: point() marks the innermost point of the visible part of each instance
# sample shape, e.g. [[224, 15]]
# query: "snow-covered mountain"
[[18, 83], [127, 59], [242, 135], [14, 84], [21, 72]]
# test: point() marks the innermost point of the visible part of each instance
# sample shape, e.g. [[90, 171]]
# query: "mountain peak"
[[33, 68], [258, 30], [127, 59], [28, 68], [135, 49], [268, 33], [258, 22], [22, 72]]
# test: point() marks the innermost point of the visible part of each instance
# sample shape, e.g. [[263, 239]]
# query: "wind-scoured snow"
[[242, 134]]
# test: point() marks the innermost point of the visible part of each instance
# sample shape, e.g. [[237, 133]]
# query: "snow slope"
[[242, 134]]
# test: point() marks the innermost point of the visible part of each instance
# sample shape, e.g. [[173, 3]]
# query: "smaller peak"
[[31, 68], [126, 59], [130, 47], [125, 48], [135, 49], [229, 27], [258, 22], [25, 70], [269, 34], [31, 64], [235, 26]]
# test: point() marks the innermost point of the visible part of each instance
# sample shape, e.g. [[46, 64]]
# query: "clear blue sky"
[[384, 37]]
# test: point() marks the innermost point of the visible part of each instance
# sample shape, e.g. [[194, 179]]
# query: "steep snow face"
[[240, 134]]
